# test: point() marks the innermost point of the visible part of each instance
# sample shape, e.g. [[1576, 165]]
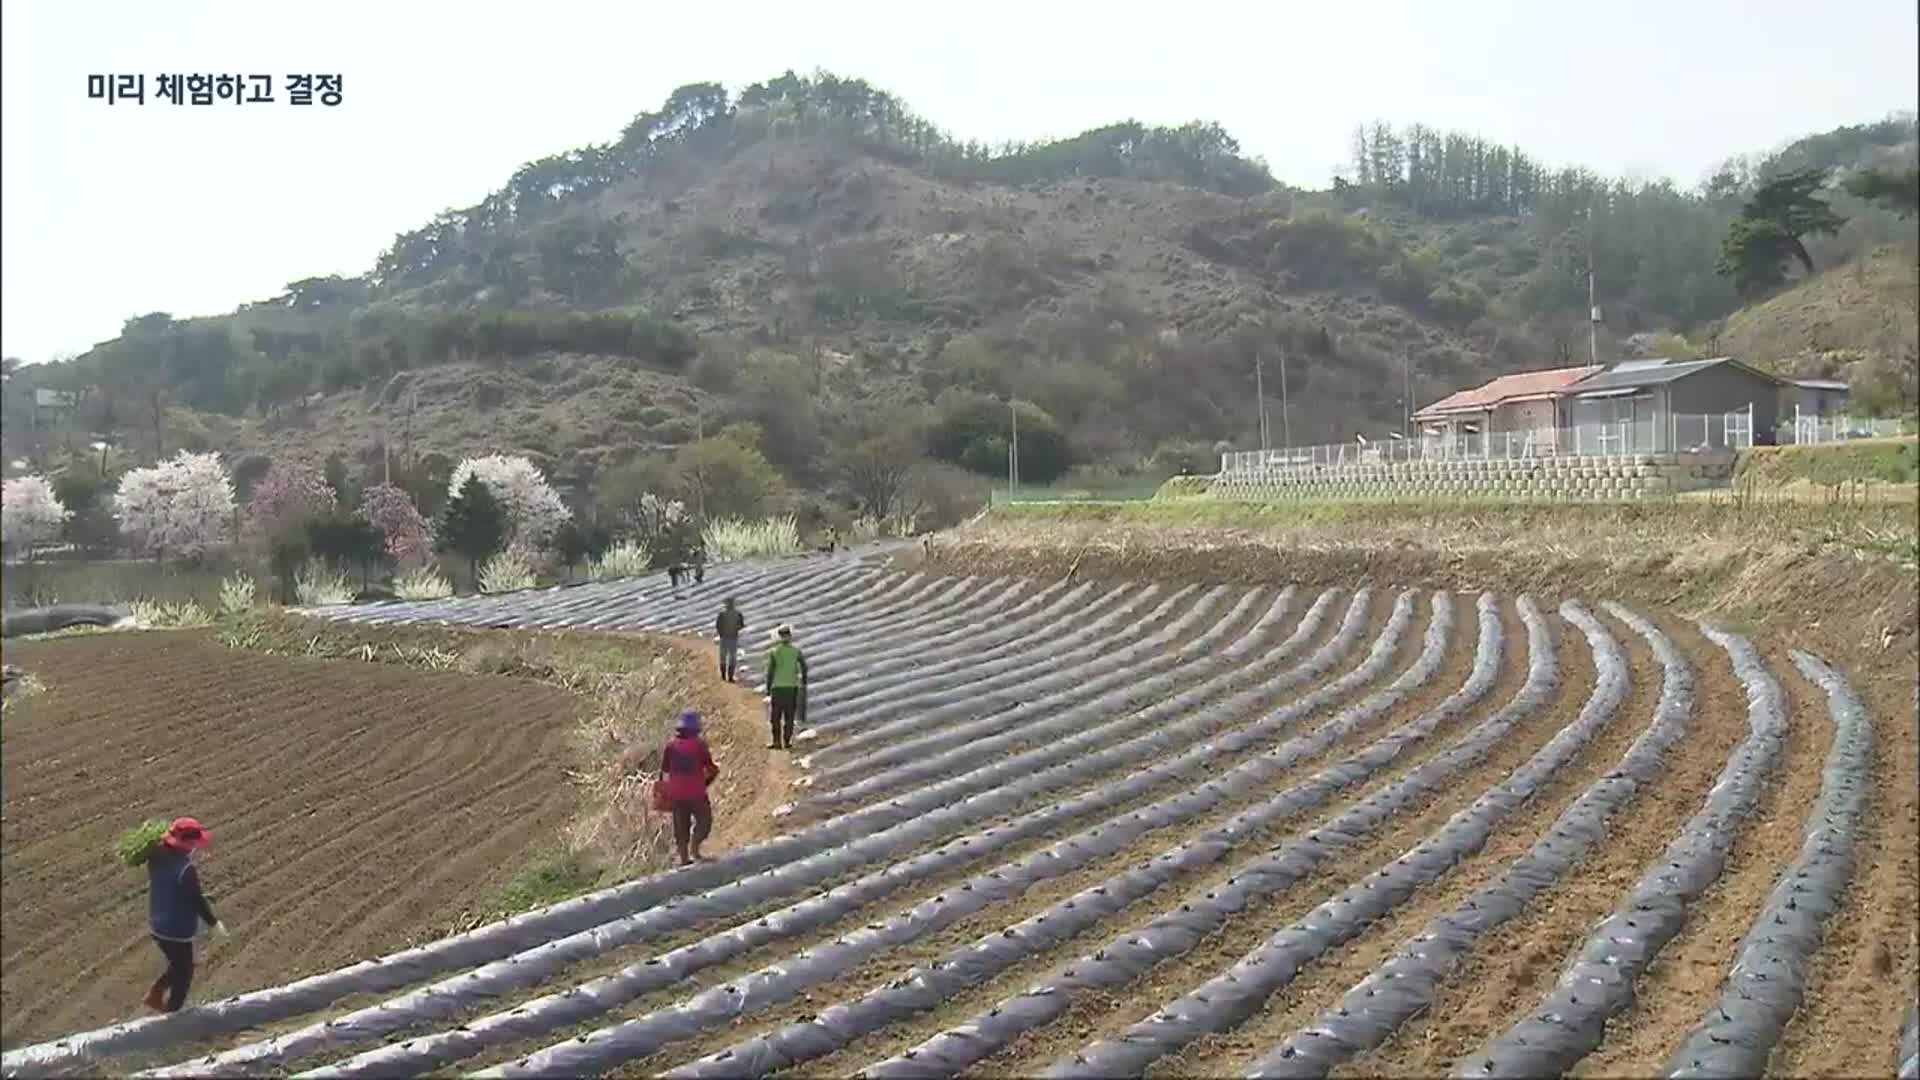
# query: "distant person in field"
[[674, 573], [726, 629], [176, 907], [786, 686], [700, 566], [686, 770]]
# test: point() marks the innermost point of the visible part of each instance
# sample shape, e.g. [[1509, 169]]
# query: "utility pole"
[[700, 471], [1260, 398], [1406, 392], [1286, 425], [1013, 453], [1593, 304]]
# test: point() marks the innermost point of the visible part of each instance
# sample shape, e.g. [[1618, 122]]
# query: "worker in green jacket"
[[786, 686]]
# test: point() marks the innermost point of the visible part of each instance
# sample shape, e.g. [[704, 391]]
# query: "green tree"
[[347, 540], [1896, 189], [725, 476], [575, 543], [473, 526], [972, 431], [1767, 234]]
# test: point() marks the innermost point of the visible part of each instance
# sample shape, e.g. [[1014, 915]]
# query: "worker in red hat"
[[175, 908], [686, 772]]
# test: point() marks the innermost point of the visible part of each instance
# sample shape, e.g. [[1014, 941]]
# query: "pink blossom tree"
[[287, 497], [409, 541]]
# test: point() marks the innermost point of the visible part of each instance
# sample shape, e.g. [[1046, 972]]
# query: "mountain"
[[812, 260]]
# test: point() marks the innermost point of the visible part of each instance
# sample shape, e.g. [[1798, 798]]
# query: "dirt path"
[[317, 779]]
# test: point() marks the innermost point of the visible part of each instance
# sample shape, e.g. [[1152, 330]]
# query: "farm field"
[[1065, 825], [319, 779]]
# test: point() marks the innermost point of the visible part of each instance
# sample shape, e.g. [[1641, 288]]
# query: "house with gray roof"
[[1675, 405]]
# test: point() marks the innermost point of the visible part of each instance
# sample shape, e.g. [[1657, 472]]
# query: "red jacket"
[[688, 767]]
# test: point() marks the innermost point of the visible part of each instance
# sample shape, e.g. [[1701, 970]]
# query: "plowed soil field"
[[355, 807]]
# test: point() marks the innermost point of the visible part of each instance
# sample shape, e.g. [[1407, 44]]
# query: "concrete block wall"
[[1635, 476]]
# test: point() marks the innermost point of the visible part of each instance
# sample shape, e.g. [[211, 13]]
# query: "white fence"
[[1812, 430], [1679, 434]]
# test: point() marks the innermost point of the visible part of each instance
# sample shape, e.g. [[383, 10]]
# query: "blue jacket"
[[175, 904]]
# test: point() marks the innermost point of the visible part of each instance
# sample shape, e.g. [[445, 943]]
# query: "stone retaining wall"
[[1635, 476]]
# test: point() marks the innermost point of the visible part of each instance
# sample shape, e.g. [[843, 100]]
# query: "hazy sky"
[[115, 210]]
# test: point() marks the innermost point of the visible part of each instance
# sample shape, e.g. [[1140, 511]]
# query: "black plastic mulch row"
[[869, 672], [638, 1037], [1230, 998], [1906, 1065], [997, 728], [930, 819], [982, 1035], [1010, 669], [1405, 985], [915, 735], [1571, 1021], [1769, 976], [928, 986]]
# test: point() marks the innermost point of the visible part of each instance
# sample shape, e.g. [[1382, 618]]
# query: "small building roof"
[[1820, 384], [1640, 374], [1519, 386]]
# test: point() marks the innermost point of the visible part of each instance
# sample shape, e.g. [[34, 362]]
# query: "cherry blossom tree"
[[534, 510], [409, 541], [181, 507], [30, 514], [287, 497]]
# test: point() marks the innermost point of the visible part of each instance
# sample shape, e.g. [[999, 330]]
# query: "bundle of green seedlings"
[[137, 844]]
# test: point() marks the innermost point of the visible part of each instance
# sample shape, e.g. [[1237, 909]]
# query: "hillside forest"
[[806, 285]]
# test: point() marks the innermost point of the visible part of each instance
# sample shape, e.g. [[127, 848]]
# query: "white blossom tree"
[[30, 514], [534, 510], [182, 507]]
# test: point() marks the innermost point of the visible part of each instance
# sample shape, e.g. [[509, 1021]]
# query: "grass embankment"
[[636, 685], [1891, 462], [1838, 579], [1728, 523]]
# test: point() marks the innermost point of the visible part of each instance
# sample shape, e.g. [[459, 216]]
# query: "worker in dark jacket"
[[726, 630], [786, 686], [686, 771], [176, 907]]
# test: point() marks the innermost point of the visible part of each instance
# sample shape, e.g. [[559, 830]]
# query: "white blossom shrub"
[[30, 513], [737, 538], [236, 595], [422, 583], [534, 509], [318, 585], [180, 508], [161, 615], [628, 558], [508, 571]]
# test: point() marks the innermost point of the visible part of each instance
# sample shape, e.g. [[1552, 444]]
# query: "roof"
[[53, 398], [1523, 384], [1819, 384], [1637, 374]]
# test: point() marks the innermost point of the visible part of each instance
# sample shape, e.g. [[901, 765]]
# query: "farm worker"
[[786, 684], [727, 629], [175, 909], [700, 565], [686, 768], [674, 573]]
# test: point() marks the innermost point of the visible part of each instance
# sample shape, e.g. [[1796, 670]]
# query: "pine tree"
[[473, 526]]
